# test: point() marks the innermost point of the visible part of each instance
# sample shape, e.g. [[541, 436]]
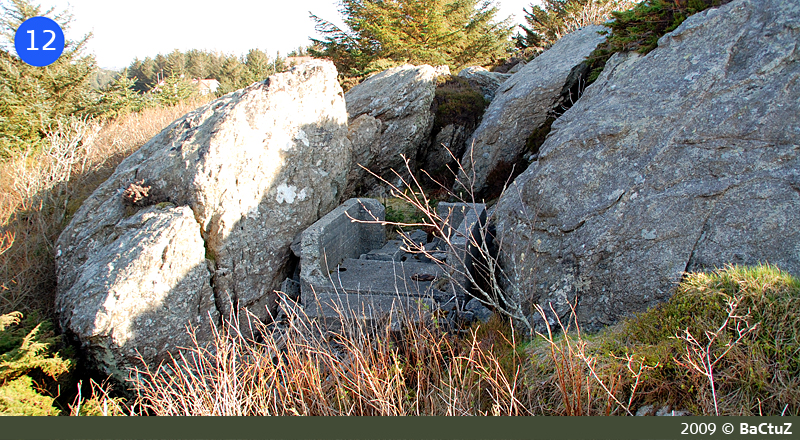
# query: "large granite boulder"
[[525, 104], [142, 286], [246, 173], [390, 115], [685, 159]]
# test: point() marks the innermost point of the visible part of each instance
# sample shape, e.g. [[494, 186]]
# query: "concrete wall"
[[466, 238], [337, 236]]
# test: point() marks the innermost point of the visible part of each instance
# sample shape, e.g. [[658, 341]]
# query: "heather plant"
[[640, 27]]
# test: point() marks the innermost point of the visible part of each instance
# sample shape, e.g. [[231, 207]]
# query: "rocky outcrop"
[[524, 105], [486, 81], [390, 115], [447, 144], [685, 159], [246, 173]]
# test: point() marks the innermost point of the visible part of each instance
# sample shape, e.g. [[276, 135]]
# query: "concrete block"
[[392, 251]]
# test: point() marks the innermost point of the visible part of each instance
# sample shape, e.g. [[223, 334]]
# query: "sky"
[[123, 31]]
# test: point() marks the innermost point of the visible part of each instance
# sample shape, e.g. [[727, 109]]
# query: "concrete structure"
[[348, 231], [348, 270], [466, 238]]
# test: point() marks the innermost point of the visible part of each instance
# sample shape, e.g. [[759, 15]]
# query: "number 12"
[[46, 46]]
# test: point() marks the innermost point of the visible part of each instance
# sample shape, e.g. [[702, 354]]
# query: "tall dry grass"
[[40, 190], [360, 369]]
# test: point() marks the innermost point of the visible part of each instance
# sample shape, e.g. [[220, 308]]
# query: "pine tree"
[[145, 73], [258, 65], [197, 65], [175, 89], [175, 64], [556, 18], [119, 98], [32, 98], [451, 32], [232, 75]]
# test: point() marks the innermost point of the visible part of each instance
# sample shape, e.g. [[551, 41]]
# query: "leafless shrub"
[[579, 371], [702, 357], [476, 250]]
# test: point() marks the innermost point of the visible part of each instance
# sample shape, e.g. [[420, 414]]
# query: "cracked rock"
[[699, 161], [522, 105]]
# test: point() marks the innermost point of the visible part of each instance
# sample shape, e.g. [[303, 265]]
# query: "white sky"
[[125, 30]]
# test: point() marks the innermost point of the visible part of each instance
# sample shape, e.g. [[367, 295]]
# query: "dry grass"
[[361, 369], [39, 192]]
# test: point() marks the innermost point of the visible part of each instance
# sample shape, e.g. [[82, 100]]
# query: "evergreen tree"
[[174, 90], [452, 32], [175, 63], [232, 75], [144, 73], [197, 65], [556, 18], [119, 98], [258, 65], [32, 98]]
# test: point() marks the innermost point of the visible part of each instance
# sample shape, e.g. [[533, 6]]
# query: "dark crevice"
[[703, 231], [573, 89], [212, 267]]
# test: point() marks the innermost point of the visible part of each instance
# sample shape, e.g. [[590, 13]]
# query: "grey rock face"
[[255, 167], [391, 116], [523, 104], [143, 284], [685, 159], [486, 81]]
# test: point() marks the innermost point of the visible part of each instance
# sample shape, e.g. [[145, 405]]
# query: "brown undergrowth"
[[359, 369]]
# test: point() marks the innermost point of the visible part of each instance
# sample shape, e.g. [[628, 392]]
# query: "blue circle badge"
[[39, 41]]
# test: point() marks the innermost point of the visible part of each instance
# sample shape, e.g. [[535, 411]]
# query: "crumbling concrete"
[[466, 239], [349, 270]]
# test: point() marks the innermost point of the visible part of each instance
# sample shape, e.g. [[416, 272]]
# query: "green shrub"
[[643, 360], [759, 374], [28, 363]]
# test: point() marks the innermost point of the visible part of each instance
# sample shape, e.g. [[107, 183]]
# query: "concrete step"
[[387, 278]]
